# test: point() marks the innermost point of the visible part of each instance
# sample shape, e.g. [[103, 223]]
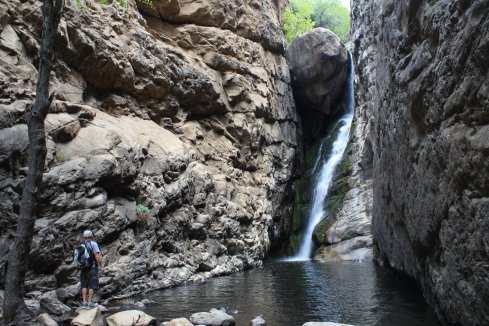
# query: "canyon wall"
[[422, 68], [172, 136]]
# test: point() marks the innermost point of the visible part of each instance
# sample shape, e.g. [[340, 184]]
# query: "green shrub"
[[142, 210], [123, 3], [62, 155], [333, 15], [80, 4], [297, 21], [307, 14], [149, 3]]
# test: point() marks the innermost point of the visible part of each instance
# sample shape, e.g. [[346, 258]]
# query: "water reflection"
[[291, 293]]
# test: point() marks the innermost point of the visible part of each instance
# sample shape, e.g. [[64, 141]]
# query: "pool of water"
[[292, 293]]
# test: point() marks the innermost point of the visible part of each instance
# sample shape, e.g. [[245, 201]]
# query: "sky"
[[346, 3]]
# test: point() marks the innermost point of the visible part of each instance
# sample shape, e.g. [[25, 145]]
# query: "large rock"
[[177, 322], [319, 64], [131, 318], [49, 302], [13, 142], [422, 70], [46, 320], [88, 317], [258, 321], [214, 317], [172, 134]]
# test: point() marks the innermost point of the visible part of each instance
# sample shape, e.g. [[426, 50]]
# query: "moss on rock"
[[303, 185], [336, 196]]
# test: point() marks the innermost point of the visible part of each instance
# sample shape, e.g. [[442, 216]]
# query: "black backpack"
[[83, 256]]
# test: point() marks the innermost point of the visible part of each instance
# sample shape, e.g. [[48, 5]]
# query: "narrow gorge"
[[195, 143]]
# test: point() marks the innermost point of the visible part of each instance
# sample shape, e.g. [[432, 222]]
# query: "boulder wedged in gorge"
[[172, 138], [423, 72], [319, 66]]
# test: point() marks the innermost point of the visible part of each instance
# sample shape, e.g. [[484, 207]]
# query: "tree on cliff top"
[[15, 310], [330, 14], [297, 20]]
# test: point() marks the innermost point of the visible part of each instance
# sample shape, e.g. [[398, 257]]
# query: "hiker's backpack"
[[83, 256]]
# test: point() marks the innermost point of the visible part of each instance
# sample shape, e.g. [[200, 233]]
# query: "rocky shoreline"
[[100, 315]]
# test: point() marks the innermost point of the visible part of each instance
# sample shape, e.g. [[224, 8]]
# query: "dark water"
[[292, 293]]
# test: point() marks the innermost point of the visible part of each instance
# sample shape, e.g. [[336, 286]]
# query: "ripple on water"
[[291, 293]]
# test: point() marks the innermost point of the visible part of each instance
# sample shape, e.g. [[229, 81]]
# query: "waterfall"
[[328, 167]]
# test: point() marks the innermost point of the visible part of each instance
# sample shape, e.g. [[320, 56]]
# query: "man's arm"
[[98, 258]]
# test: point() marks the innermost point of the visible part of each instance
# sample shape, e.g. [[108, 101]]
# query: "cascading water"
[[326, 175]]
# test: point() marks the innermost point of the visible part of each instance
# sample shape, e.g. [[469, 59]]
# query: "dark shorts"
[[89, 278]]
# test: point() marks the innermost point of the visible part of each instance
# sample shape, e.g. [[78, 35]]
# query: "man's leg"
[[84, 295], [90, 296]]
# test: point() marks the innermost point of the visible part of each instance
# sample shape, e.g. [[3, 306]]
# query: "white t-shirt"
[[94, 246], [95, 250]]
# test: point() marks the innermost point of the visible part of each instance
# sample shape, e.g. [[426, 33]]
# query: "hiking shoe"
[[83, 306], [92, 305]]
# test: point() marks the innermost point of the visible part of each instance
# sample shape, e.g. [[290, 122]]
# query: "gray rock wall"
[[423, 71], [184, 108]]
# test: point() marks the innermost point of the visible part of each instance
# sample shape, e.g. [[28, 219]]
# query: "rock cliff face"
[[172, 136], [423, 71]]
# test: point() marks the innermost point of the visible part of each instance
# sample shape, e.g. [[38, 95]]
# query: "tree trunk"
[[14, 307]]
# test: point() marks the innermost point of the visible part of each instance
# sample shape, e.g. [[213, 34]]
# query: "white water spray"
[[326, 175]]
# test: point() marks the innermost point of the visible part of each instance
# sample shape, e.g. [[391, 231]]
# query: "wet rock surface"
[[423, 73], [347, 233], [172, 137], [214, 317]]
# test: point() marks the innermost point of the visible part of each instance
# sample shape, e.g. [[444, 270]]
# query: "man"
[[89, 277]]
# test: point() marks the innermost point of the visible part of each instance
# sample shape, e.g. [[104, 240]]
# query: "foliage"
[[307, 14], [79, 4], [142, 210], [333, 15], [297, 21], [123, 3], [62, 155], [148, 3]]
